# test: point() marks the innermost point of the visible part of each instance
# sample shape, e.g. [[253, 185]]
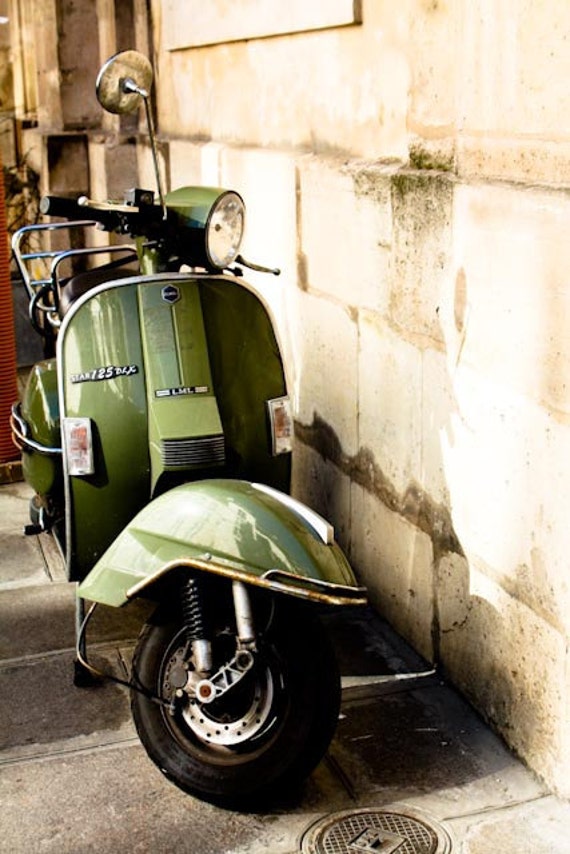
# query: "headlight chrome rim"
[[224, 229]]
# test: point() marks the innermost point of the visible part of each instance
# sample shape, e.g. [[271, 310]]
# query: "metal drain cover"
[[406, 831]]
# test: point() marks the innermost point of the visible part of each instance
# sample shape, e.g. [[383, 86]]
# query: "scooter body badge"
[[170, 293]]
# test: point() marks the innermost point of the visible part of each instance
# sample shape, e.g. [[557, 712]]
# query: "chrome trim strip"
[[313, 582], [20, 257], [20, 431], [302, 590]]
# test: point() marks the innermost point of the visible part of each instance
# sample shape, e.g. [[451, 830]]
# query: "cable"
[[100, 674]]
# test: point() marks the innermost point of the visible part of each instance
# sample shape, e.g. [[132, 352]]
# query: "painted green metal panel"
[[40, 410], [181, 399], [248, 371], [104, 333], [231, 349], [229, 522], [193, 203]]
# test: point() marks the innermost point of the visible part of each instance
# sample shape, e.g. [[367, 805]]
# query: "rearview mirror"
[[122, 80]]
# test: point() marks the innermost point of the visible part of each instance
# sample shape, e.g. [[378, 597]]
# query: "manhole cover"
[[379, 831]]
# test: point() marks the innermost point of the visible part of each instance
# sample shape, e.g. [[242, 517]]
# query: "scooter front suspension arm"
[[227, 677], [232, 672], [243, 614]]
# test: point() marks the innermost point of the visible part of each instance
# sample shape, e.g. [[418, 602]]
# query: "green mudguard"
[[246, 532]]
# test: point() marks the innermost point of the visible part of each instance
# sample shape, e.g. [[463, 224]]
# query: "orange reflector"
[[78, 445]]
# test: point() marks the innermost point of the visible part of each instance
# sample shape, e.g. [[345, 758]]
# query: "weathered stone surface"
[[390, 377], [320, 484], [395, 559], [511, 660], [326, 351], [510, 106], [511, 252], [345, 235]]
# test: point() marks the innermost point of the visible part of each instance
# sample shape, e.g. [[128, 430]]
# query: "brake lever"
[[257, 267]]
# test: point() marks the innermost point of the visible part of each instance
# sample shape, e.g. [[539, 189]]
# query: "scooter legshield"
[[175, 373], [231, 528]]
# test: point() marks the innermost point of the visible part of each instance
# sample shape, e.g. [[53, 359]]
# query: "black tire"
[[287, 707]]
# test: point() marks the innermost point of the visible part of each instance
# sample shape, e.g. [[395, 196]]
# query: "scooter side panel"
[[40, 409], [102, 377], [225, 526], [247, 371], [180, 395]]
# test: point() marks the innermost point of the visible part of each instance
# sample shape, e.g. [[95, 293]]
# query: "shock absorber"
[[193, 613]]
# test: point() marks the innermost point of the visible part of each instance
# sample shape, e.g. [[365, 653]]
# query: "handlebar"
[[125, 219], [71, 209], [60, 206], [180, 236]]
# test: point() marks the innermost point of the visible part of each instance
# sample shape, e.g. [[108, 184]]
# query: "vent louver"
[[203, 451]]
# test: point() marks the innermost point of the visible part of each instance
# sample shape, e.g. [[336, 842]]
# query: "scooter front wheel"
[[266, 734]]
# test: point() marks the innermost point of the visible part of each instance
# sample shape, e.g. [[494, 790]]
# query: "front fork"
[[213, 685], [202, 684]]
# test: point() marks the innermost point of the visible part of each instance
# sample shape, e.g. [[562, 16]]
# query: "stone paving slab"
[[425, 739], [112, 798], [35, 619], [41, 618], [22, 559], [44, 713], [108, 801], [536, 827]]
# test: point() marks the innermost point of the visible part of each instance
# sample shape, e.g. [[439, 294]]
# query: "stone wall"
[[410, 175]]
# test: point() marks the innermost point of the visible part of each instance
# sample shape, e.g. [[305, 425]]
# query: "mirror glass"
[[126, 70]]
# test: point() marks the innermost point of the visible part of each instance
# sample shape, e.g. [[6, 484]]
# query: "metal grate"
[[203, 451], [379, 831]]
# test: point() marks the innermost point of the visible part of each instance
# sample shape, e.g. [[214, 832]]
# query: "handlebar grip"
[[61, 206], [71, 209]]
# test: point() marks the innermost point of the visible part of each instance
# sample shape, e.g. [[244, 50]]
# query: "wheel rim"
[[239, 722], [228, 728]]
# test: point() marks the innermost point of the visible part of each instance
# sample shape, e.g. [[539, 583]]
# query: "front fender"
[[232, 528]]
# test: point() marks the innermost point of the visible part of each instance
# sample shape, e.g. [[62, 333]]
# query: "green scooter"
[[157, 440]]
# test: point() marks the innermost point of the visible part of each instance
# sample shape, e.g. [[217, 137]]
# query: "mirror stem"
[[154, 154], [128, 86]]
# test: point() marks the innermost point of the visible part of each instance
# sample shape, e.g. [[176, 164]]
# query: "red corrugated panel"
[[8, 372]]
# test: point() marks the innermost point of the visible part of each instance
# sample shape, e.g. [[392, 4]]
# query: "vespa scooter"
[[157, 441]]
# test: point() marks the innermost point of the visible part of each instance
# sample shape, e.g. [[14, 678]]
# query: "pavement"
[[409, 755]]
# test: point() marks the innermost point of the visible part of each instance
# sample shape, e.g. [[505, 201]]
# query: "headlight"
[[224, 230]]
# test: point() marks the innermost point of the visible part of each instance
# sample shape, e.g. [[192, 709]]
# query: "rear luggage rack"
[[40, 268]]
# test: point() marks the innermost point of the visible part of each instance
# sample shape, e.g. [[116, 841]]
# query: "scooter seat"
[[81, 283]]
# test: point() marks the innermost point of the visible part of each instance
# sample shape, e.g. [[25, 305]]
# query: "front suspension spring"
[[193, 611], [195, 625]]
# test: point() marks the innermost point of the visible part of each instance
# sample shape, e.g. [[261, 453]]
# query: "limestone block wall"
[[410, 175], [423, 317]]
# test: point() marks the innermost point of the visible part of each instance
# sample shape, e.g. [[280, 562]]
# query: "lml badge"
[[170, 293]]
